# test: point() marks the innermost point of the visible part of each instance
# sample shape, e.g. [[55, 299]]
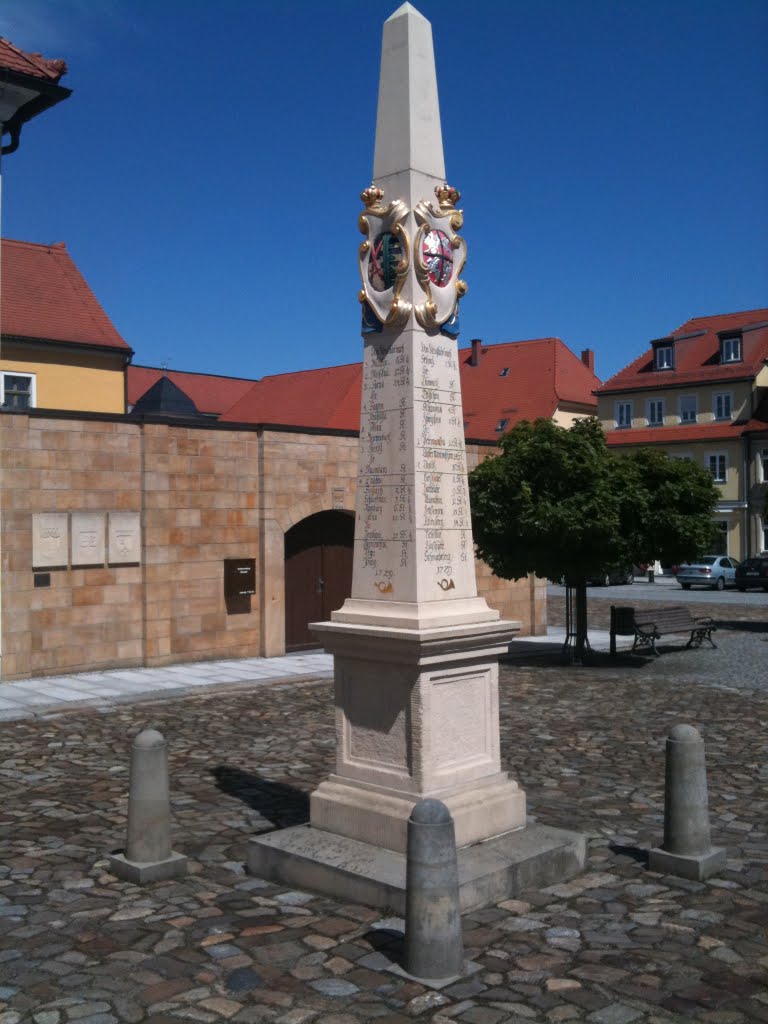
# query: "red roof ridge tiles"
[[32, 64], [193, 373], [722, 316]]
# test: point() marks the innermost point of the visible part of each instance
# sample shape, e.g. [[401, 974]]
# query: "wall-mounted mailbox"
[[239, 577]]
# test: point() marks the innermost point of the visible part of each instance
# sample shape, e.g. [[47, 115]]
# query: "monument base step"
[[496, 869]]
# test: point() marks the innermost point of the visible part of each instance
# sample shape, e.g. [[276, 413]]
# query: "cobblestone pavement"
[[617, 945]]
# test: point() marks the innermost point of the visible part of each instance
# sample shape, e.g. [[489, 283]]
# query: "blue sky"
[[205, 173]]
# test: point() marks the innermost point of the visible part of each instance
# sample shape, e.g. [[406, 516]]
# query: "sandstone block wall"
[[200, 493], [87, 618], [204, 494]]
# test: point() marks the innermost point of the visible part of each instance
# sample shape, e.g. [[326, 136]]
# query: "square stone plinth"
[[497, 869], [417, 716], [695, 867], [149, 871]]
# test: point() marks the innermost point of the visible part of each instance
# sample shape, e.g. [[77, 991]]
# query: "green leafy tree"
[[560, 503]]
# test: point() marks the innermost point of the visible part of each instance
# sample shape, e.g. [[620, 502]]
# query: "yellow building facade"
[[701, 393], [58, 348]]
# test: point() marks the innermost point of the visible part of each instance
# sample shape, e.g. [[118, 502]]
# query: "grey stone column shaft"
[[433, 941], [687, 849], [149, 802], [148, 855]]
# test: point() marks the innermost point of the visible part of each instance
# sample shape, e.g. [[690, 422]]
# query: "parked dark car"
[[612, 578], [753, 572]]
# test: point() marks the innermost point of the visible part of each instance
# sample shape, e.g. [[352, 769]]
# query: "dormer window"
[[664, 354], [730, 348]]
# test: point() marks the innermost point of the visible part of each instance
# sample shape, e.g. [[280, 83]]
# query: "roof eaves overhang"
[[671, 383], [76, 346], [48, 94]]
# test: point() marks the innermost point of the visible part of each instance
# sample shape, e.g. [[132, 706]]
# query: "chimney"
[[588, 358], [474, 359]]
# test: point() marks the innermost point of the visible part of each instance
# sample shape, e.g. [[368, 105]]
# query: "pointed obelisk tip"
[[405, 8], [408, 136]]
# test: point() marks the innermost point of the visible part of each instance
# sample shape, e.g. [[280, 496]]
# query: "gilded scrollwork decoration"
[[384, 259], [439, 257]]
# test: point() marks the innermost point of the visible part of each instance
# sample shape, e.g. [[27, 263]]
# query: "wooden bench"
[[652, 624]]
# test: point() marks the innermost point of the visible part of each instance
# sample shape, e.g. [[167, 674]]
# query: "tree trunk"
[[582, 641]]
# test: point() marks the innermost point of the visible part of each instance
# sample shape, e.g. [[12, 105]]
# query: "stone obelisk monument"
[[415, 649]]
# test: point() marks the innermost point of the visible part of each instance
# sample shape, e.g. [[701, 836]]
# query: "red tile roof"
[[32, 64], [697, 349], [44, 296], [543, 374], [328, 397], [684, 433], [211, 393]]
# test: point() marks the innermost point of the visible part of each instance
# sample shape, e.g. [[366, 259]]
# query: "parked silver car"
[[716, 571]]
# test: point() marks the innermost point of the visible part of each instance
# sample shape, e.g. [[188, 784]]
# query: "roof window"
[[501, 425], [504, 372], [730, 348], [664, 354]]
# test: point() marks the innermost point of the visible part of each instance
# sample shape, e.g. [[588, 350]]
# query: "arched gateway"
[[318, 573]]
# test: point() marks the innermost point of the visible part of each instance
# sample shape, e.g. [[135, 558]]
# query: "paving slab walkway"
[[42, 695]]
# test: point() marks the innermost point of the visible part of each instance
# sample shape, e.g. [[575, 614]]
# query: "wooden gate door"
[[318, 573]]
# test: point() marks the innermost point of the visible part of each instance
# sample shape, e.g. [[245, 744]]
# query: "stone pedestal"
[[416, 717]]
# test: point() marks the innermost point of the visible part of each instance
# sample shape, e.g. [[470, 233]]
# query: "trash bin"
[[622, 623], [651, 575], [622, 620]]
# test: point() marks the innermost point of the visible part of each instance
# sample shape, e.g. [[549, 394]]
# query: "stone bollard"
[[148, 856], [687, 850], [433, 943]]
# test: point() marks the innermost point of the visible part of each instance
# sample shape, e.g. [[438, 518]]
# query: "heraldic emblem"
[[439, 257], [385, 260]]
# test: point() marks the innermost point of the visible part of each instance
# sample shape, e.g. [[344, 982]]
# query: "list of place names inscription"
[[413, 502]]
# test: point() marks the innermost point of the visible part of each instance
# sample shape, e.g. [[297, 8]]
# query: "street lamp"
[[29, 85]]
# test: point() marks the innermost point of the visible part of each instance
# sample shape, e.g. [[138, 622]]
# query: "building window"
[[720, 543], [765, 534], [656, 412], [688, 408], [623, 413], [664, 357], [764, 466], [717, 464], [501, 425], [730, 349], [504, 372], [722, 406], [17, 390], [681, 456]]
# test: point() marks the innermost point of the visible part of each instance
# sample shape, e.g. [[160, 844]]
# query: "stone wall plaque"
[[124, 538], [88, 538], [50, 539]]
